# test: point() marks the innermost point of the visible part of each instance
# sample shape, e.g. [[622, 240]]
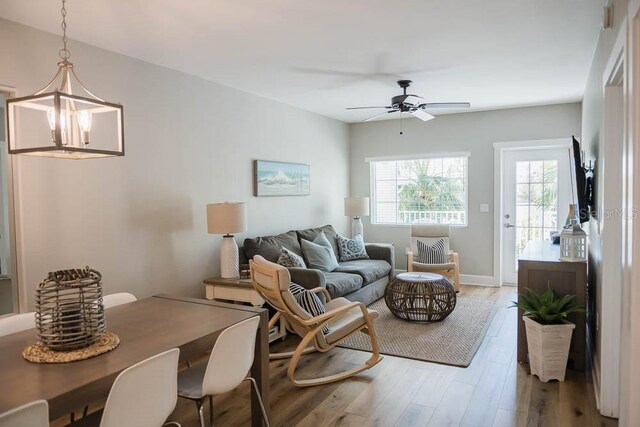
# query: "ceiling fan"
[[412, 104]]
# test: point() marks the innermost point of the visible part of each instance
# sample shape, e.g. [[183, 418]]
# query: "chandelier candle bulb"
[[84, 122]]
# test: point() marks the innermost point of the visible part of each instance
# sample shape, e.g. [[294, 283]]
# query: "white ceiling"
[[325, 55]]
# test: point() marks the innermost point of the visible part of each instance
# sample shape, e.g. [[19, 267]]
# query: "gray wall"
[[592, 112], [140, 220], [472, 132]]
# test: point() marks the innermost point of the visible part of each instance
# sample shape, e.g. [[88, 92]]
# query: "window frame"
[[431, 156]]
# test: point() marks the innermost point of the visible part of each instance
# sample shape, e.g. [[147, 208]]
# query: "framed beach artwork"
[[280, 179]]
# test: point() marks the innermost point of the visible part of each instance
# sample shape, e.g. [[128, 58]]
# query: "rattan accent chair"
[[343, 318], [430, 234]]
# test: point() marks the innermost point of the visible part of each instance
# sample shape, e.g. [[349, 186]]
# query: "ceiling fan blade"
[[378, 115], [412, 100], [446, 105], [422, 115], [364, 108]]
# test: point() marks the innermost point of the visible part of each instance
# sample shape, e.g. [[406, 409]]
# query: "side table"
[[241, 291]]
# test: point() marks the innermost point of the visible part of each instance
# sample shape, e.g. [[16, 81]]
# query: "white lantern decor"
[[573, 244]]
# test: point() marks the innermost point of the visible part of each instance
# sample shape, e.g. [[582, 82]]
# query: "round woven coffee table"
[[420, 297]]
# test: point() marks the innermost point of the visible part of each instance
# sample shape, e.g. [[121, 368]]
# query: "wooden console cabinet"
[[539, 265]]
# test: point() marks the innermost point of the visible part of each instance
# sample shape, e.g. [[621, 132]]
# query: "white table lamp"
[[356, 207], [227, 218]]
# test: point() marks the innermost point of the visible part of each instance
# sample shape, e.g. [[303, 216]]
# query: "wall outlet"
[[484, 207]]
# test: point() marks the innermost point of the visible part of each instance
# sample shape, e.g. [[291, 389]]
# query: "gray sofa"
[[362, 280]]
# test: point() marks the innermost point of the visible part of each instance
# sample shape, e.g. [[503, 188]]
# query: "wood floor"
[[493, 391]]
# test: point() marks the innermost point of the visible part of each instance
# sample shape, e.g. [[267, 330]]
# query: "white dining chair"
[[108, 301], [230, 360], [34, 414], [143, 395], [120, 298], [17, 323]]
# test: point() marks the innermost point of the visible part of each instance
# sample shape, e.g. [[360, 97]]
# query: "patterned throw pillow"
[[352, 249], [432, 254], [309, 302], [290, 259]]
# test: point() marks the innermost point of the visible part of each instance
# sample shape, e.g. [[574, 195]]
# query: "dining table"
[[145, 327]]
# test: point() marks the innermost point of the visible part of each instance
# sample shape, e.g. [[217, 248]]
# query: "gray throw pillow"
[[309, 302], [352, 249], [312, 233], [290, 259], [319, 253], [432, 254]]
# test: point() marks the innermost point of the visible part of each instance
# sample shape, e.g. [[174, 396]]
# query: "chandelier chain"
[[64, 53]]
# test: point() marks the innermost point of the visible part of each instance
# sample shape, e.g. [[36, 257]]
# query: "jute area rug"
[[452, 341]]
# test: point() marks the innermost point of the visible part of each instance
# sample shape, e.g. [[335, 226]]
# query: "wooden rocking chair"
[[343, 318]]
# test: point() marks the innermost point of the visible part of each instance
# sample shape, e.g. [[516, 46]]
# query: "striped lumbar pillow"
[[432, 254], [309, 302]]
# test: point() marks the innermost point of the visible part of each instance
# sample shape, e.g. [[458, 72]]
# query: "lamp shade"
[[226, 218], [356, 206]]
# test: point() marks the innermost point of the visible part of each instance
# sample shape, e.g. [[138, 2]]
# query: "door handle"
[[507, 225]]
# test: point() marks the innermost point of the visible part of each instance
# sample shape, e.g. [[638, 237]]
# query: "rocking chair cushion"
[[347, 323]]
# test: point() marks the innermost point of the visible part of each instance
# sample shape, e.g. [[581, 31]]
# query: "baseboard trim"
[[594, 364], [595, 376], [471, 279]]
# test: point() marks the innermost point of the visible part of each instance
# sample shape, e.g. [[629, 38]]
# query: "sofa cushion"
[[269, 246], [319, 253], [311, 233], [370, 269], [339, 284]]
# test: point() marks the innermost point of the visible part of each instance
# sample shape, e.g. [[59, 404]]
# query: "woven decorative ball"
[[420, 297], [69, 310]]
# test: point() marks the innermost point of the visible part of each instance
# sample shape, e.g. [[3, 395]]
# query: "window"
[[420, 190], [536, 201]]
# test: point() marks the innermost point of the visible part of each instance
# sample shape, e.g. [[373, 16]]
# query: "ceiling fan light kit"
[[411, 104], [57, 122]]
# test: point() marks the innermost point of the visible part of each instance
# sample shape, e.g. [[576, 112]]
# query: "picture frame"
[[273, 179]]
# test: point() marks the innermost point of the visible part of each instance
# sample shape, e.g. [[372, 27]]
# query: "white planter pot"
[[548, 347]]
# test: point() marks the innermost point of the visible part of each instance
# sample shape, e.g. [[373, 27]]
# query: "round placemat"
[[40, 353]]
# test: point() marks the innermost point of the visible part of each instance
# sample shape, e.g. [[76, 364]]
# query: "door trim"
[[499, 148], [15, 227], [629, 408], [611, 262]]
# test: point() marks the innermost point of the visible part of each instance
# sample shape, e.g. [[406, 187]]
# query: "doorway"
[[533, 188]]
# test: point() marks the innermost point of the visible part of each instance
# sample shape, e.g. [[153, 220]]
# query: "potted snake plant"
[[548, 331]]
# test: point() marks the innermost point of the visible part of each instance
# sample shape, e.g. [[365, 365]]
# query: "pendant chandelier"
[[58, 121]]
